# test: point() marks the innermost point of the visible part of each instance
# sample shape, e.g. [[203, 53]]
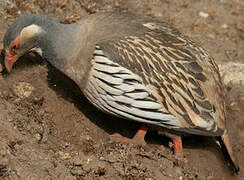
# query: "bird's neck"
[[61, 45]]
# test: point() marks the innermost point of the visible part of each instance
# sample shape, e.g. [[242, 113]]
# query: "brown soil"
[[48, 130]]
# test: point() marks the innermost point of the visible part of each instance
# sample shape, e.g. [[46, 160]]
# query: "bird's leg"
[[177, 145], [178, 149], [138, 139]]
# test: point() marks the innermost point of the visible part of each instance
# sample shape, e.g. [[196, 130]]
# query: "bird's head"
[[20, 38]]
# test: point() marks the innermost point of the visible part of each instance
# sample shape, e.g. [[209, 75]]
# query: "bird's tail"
[[227, 151]]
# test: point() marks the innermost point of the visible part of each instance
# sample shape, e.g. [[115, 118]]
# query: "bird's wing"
[[160, 77], [117, 90]]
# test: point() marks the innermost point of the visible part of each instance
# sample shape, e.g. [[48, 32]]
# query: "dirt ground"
[[48, 130]]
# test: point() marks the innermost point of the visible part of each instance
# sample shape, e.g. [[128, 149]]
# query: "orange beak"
[[9, 61]]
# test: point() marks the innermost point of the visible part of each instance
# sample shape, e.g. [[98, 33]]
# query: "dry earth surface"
[[48, 130]]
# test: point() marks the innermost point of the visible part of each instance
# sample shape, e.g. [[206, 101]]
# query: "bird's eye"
[[14, 47]]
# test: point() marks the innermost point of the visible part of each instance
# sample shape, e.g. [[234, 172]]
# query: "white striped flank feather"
[[116, 90]]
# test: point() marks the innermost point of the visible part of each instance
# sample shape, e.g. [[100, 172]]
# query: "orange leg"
[[178, 149], [138, 139]]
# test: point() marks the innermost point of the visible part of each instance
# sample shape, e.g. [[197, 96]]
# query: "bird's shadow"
[[70, 91]]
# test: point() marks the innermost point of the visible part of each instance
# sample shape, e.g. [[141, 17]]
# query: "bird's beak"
[[9, 61]]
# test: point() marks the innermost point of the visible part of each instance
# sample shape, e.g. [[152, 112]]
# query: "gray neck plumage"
[[55, 43], [60, 44]]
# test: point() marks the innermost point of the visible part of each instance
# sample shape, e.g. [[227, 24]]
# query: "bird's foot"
[[138, 139]]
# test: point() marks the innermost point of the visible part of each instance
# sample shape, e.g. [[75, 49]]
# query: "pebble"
[[23, 89], [67, 144], [38, 136], [224, 26], [203, 14], [78, 161], [78, 172], [64, 155]]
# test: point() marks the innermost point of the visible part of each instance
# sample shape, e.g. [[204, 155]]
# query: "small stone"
[[78, 172], [203, 14], [78, 161], [88, 160], [86, 137], [64, 155], [23, 89], [211, 36], [38, 136], [67, 144], [224, 26]]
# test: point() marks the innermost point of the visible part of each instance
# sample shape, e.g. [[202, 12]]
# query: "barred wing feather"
[[116, 90]]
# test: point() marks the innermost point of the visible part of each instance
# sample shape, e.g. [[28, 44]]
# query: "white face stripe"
[[34, 28], [29, 32]]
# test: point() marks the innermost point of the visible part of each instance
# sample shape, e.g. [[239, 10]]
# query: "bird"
[[135, 67]]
